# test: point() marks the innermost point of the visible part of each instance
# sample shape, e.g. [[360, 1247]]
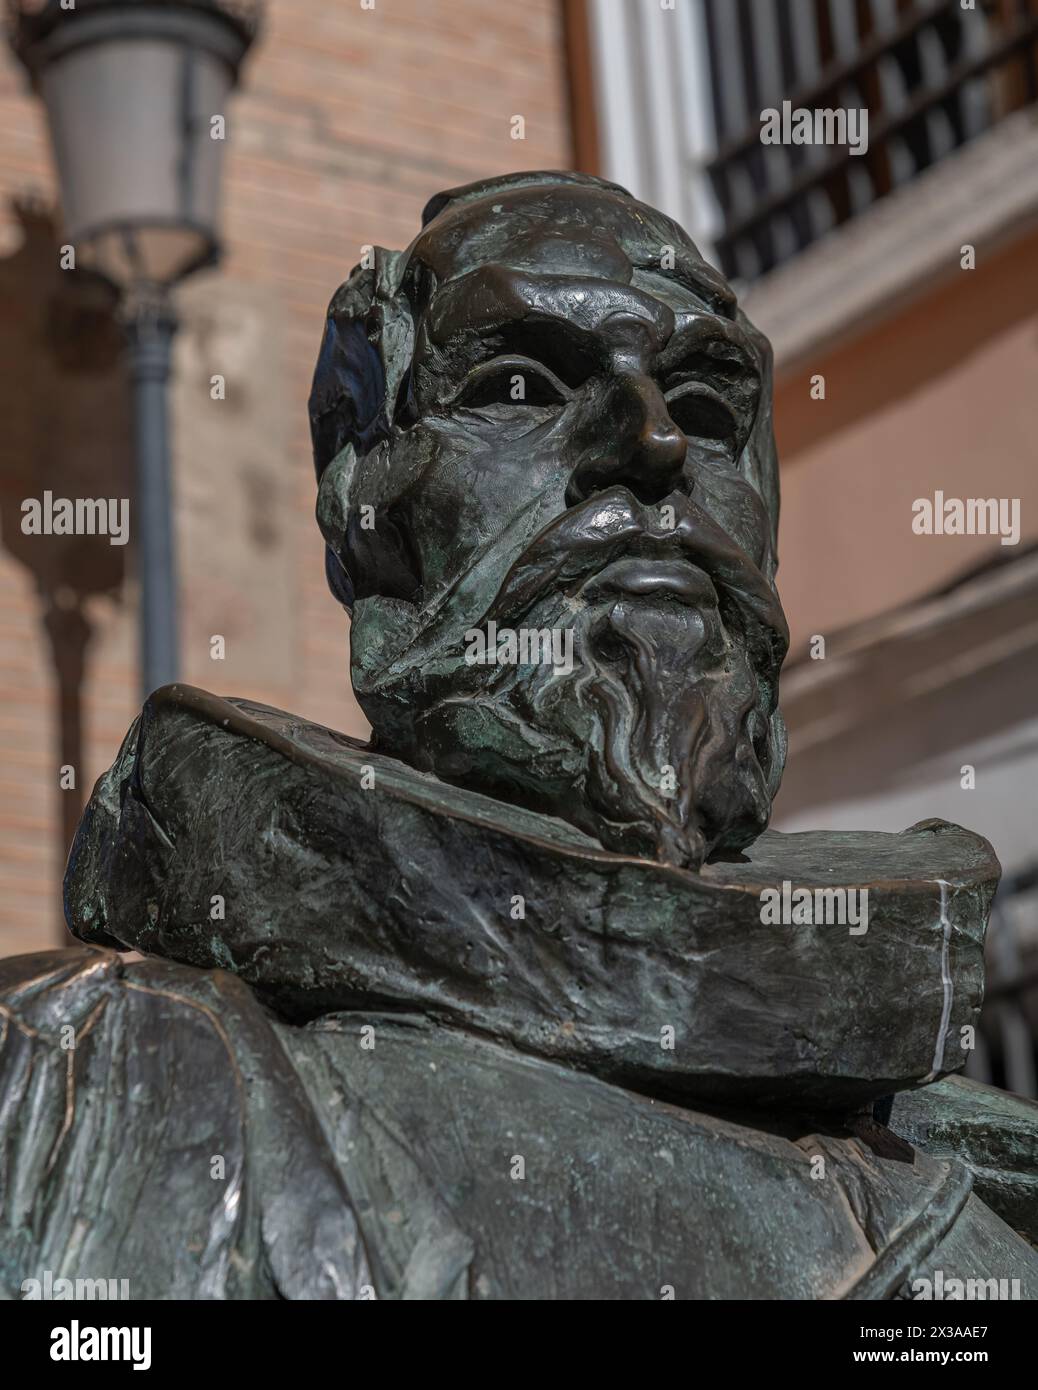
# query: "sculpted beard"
[[661, 741]]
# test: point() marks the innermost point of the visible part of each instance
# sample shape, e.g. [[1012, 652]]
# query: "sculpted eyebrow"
[[712, 344], [705, 283], [567, 350]]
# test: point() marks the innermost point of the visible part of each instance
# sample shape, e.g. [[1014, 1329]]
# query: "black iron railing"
[[931, 74]]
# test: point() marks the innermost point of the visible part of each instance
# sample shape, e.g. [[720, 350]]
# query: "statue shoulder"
[[993, 1133], [149, 1113]]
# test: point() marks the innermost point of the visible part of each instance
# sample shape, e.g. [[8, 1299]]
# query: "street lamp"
[[136, 94]]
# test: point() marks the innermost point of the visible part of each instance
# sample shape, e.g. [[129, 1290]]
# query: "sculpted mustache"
[[610, 526]]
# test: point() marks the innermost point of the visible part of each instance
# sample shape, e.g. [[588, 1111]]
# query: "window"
[[682, 84]]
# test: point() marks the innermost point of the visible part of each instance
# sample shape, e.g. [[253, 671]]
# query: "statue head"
[[549, 493]]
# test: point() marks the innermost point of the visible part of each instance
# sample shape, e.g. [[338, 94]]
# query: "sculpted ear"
[[364, 357]]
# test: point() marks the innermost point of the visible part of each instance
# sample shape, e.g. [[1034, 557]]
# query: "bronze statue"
[[521, 999]]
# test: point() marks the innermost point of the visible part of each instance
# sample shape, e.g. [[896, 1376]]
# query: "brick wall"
[[349, 119]]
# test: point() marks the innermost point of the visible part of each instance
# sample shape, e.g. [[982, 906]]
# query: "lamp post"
[[136, 96]]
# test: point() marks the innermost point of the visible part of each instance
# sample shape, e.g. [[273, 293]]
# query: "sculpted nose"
[[641, 448]]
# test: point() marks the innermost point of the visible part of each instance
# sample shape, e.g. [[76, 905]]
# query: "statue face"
[[559, 530]]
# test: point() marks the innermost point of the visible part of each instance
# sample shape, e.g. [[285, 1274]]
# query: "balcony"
[[931, 75]]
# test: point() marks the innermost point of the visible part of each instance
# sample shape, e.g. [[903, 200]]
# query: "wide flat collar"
[[330, 877]]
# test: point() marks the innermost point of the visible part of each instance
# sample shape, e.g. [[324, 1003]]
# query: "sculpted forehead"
[[587, 233]]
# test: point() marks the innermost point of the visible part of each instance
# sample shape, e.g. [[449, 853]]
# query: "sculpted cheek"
[[735, 506]]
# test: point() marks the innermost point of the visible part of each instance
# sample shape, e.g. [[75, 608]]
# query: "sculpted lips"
[[643, 576], [615, 540]]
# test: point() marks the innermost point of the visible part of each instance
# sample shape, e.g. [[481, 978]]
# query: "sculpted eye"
[[700, 413], [512, 381], [714, 389]]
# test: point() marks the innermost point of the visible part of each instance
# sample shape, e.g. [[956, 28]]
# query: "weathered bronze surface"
[[629, 495], [490, 1007]]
